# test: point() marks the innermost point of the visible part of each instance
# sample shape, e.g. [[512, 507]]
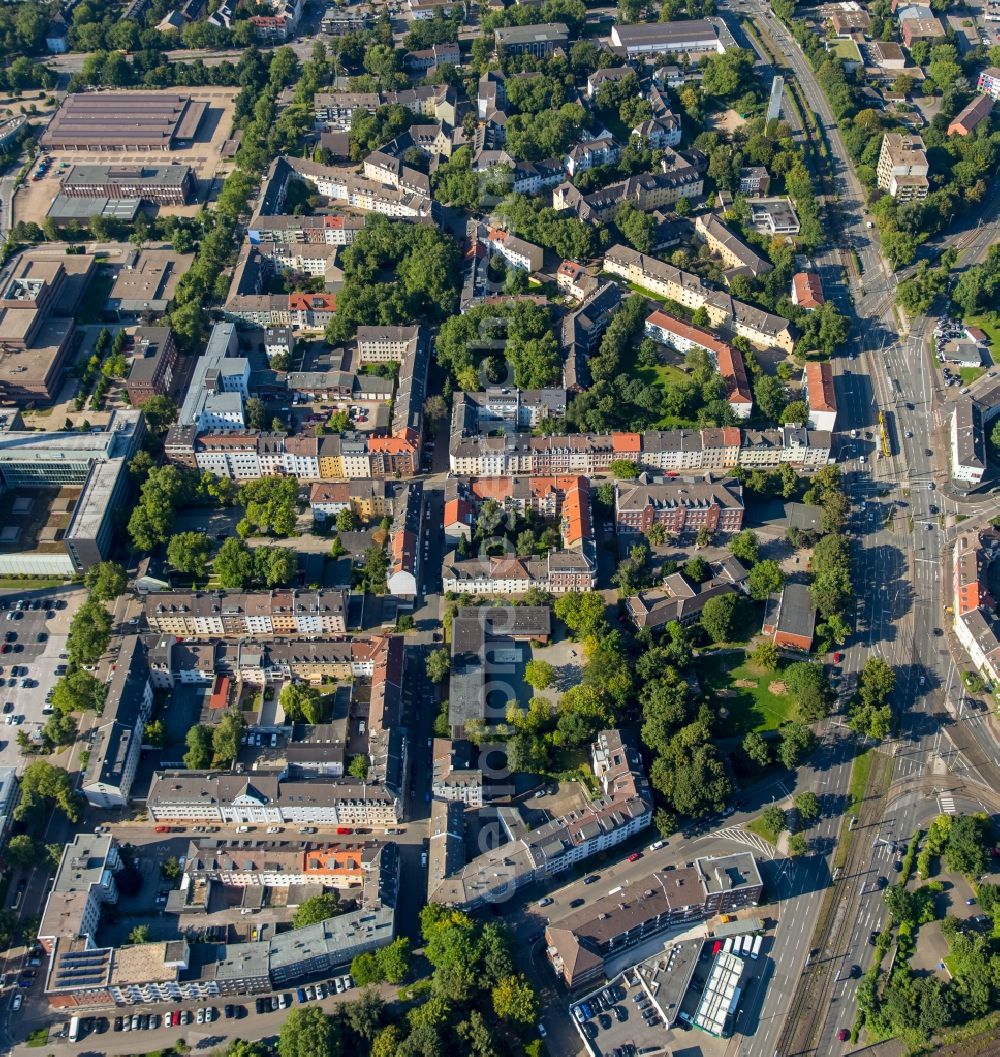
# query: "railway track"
[[837, 916]]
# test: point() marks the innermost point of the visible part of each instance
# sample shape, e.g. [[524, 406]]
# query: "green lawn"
[[757, 826], [846, 49], [750, 707], [859, 777], [970, 374], [663, 376]]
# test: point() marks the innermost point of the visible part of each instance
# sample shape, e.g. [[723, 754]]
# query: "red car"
[[635, 855], [837, 658], [843, 1035]]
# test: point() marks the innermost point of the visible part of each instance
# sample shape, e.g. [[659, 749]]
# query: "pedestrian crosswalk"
[[946, 804], [744, 836]]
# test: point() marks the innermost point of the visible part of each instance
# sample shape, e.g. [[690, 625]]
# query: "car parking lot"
[[33, 642], [619, 1021]]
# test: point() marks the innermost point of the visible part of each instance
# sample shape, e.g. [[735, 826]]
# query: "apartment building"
[[968, 443], [342, 866], [774, 216], [404, 541], [319, 612], [989, 83], [712, 449], [580, 945], [83, 883], [736, 255], [591, 153], [516, 252], [681, 506], [235, 799], [807, 290], [763, 329], [367, 499], [153, 365], [558, 573], [647, 191], [453, 778], [581, 330], [114, 752], [623, 809], [385, 344], [728, 361], [902, 167], [659, 132], [821, 398], [975, 608], [574, 280], [754, 181]]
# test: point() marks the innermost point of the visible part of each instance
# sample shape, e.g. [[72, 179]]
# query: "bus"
[[74, 1029], [757, 940]]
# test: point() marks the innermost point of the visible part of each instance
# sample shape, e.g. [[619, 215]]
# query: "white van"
[[655, 846]]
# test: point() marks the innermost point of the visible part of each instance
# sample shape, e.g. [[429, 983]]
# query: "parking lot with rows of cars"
[[34, 628]]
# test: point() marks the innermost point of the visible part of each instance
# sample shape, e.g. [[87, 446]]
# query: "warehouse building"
[[121, 121]]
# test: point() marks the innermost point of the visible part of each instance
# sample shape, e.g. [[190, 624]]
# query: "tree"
[[43, 785], [581, 612], [346, 520], [228, 736], [199, 743], [255, 412], [539, 675], [719, 617], [301, 703], [765, 655], [24, 851], [696, 569], [105, 581], [78, 691], [307, 1032], [807, 687], [773, 819], [89, 633], [795, 414], [170, 868], [274, 566], [140, 934], [877, 681], [160, 413], [234, 564], [358, 767], [438, 666], [766, 578], [188, 552], [797, 845], [757, 749], [807, 805], [514, 999], [744, 545], [966, 851], [315, 909], [797, 742], [624, 469], [394, 961]]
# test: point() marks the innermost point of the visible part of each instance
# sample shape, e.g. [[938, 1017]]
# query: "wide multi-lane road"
[[899, 541]]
